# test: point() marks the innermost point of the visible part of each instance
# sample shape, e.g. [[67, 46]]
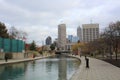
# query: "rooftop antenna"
[[91, 20], [61, 21]]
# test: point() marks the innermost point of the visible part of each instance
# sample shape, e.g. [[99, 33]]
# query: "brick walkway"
[[99, 70]]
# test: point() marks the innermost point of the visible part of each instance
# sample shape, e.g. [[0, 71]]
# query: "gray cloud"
[[41, 17]]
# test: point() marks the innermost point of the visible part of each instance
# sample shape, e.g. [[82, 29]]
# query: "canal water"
[[55, 68]]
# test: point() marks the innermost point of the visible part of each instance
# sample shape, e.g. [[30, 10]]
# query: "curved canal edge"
[[12, 61], [98, 70], [76, 74], [51, 68]]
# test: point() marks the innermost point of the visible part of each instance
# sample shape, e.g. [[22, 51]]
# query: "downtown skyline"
[[40, 18]]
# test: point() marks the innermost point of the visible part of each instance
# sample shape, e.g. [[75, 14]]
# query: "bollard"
[[87, 63]]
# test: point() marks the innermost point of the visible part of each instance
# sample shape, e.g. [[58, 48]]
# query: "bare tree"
[[109, 37], [22, 35], [112, 37], [116, 38], [17, 34], [13, 32]]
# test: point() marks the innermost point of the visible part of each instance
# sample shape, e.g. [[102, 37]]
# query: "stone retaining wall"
[[12, 55]]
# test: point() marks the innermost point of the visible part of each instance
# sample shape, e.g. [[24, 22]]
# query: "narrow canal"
[[55, 68]]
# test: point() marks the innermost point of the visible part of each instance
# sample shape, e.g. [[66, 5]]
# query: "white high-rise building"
[[90, 32], [61, 36]]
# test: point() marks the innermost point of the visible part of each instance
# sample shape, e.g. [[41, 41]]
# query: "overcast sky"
[[40, 18]]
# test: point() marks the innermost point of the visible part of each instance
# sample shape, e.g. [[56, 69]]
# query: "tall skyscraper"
[[79, 33], [90, 32], [48, 40], [61, 36]]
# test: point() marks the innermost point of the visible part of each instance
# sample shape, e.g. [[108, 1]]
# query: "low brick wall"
[[13, 55], [2, 55], [17, 55]]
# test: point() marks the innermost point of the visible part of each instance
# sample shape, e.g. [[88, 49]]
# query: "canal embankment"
[[11, 61]]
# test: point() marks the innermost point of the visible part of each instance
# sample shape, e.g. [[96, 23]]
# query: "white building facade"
[[61, 36], [90, 32]]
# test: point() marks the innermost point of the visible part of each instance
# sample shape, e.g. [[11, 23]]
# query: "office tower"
[[90, 32], [61, 36], [79, 33], [70, 38], [75, 39], [48, 40]]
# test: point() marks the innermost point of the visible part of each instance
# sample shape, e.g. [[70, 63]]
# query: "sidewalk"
[[99, 70], [20, 60]]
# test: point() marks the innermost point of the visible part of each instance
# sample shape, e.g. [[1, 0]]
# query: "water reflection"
[[48, 66], [33, 65], [62, 68], [57, 68], [11, 72]]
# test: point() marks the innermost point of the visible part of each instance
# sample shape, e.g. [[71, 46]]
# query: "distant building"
[[48, 40], [61, 36], [75, 39], [70, 38], [79, 33], [71, 41], [90, 32]]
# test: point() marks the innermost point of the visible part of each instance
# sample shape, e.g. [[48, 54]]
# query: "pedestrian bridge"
[[62, 51]]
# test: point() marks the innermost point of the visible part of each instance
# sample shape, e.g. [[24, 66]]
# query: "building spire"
[[91, 21], [61, 21]]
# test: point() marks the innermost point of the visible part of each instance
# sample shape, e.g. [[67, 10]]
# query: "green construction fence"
[[11, 45]]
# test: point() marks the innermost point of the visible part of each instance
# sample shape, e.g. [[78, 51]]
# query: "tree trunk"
[[116, 51], [110, 53], [116, 55]]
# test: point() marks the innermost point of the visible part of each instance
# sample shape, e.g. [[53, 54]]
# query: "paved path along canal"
[[20, 60], [99, 70]]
